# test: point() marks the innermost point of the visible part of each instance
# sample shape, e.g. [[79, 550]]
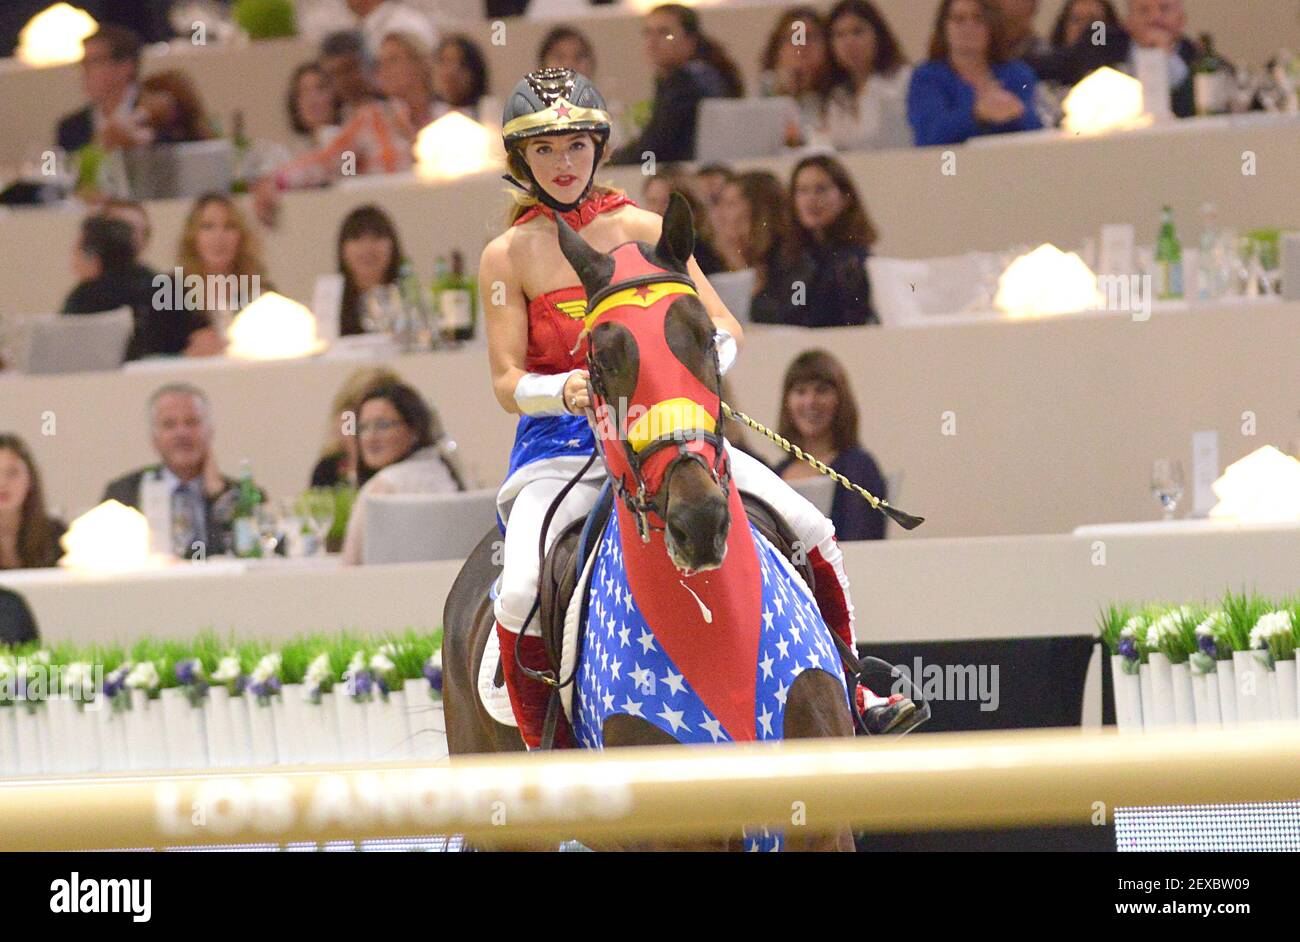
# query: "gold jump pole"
[[952, 780]]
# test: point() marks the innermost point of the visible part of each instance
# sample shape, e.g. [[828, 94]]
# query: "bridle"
[[635, 493]]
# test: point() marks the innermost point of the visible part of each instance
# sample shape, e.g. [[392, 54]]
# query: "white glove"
[[542, 393]]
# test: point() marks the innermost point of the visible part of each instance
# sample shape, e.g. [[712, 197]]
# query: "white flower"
[[435, 659], [318, 671], [388, 650], [227, 670], [144, 676], [78, 675], [267, 667], [1270, 625], [1162, 629], [358, 663], [1132, 627], [380, 663], [1213, 625], [39, 657]]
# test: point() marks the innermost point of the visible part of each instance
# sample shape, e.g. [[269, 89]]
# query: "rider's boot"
[[529, 697]]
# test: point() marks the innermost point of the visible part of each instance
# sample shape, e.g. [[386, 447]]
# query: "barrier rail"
[[939, 781]]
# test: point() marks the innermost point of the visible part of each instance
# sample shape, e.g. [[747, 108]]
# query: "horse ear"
[[677, 240], [586, 261]]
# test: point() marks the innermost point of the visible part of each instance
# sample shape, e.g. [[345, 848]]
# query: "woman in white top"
[[867, 104], [400, 452]]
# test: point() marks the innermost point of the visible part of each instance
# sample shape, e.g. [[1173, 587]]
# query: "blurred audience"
[[460, 80], [709, 181], [1075, 23], [369, 255], [689, 67], [1019, 37], [313, 107], [338, 461], [379, 19], [29, 536], [344, 58], [969, 87], [171, 111], [751, 221], [654, 197], [17, 623], [818, 275], [134, 214], [820, 414], [181, 431], [795, 65], [110, 70], [399, 436], [866, 106], [566, 48], [219, 246]]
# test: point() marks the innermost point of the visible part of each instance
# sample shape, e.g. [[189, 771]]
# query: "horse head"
[[656, 386]]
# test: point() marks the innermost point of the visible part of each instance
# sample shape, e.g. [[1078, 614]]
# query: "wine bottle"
[[1169, 259], [454, 293], [246, 538], [1210, 84], [240, 143]]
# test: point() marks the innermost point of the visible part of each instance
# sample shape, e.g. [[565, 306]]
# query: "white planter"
[[290, 734], [86, 727], [1254, 683], [241, 732], [187, 741], [31, 755], [1226, 672], [388, 729], [352, 728], [111, 725], [1162, 690], [1284, 679], [216, 724], [1184, 703], [1205, 700], [146, 733], [1148, 698], [1128, 698], [321, 719], [65, 743], [8, 743], [262, 732]]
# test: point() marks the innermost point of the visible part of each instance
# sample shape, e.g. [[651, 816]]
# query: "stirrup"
[[895, 719]]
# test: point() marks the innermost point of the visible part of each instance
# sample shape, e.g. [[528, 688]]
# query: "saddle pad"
[[572, 618], [496, 700]]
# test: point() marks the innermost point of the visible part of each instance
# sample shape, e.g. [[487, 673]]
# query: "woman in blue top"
[[968, 87]]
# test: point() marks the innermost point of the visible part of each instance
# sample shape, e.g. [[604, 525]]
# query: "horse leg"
[[815, 708]]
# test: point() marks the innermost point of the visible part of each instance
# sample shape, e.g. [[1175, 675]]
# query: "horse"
[[687, 587]]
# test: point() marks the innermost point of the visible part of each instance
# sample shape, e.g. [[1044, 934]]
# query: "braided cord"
[[799, 453]]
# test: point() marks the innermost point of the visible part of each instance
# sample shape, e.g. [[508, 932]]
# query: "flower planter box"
[[187, 739], [1128, 696]]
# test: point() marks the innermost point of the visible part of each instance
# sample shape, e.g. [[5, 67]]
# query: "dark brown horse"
[[674, 491]]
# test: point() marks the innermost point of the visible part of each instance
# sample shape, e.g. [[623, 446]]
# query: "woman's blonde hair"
[[248, 259]]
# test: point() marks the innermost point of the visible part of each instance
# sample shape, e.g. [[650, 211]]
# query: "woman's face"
[[812, 405], [966, 29], [367, 257], [384, 436], [853, 44], [15, 481], [1083, 13], [666, 45], [562, 164], [315, 100], [218, 237], [452, 80], [158, 109], [570, 53], [802, 54], [733, 215], [818, 202], [397, 72], [85, 266]]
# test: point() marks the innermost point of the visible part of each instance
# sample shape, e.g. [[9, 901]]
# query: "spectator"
[[29, 536], [795, 65], [399, 438], [1057, 67], [181, 429], [382, 18], [220, 247], [869, 78], [1149, 24], [820, 414], [378, 138], [369, 255], [566, 48], [1020, 40], [751, 221], [134, 214], [313, 106], [818, 276], [338, 461], [709, 181], [969, 87], [343, 57], [110, 69], [17, 623], [1075, 22], [654, 197], [460, 79], [110, 276], [689, 67], [171, 110]]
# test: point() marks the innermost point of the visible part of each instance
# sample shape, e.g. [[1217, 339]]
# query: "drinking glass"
[[1167, 484], [381, 309], [270, 527], [317, 509]]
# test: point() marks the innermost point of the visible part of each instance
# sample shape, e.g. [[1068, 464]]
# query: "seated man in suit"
[[110, 69], [180, 421], [17, 624]]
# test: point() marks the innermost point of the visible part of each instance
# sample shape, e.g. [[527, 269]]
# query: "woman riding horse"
[[555, 129]]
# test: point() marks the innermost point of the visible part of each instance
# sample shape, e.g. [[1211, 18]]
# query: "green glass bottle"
[[245, 536], [240, 143], [454, 293], [1169, 260]]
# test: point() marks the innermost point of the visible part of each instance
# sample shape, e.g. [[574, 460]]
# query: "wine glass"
[[317, 509], [1167, 484], [381, 309], [270, 527]]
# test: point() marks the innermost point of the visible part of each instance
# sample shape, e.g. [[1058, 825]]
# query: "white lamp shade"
[[1263, 487], [109, 538], [54, 36], [274, 328], [1047, 281], [1106, 100], [455, 146]]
